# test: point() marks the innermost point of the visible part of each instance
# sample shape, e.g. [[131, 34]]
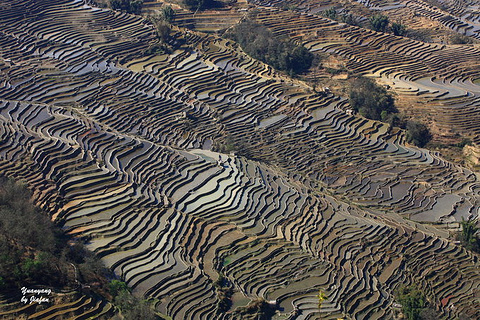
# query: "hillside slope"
[[118, 146]]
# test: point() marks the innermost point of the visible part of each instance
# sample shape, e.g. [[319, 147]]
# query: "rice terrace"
[[234, 159]]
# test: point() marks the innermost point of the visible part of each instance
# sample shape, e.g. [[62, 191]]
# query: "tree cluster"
[[374, 102], [381, 23], [27, 238], [344, 17], [162, 24], [33, 250], [371, 100], [132, 308], [414, 304], [468, 236], [256, 310], [130, 6], [418, 133], [260, 43], [224, 294], [460, 39]]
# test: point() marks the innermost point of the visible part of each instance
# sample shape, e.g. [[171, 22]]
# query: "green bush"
[[167, 13], [348, 18], [370, 100], [345, 17]]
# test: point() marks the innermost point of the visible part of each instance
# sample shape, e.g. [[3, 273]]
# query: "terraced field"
[[445, 77], [119, 147]]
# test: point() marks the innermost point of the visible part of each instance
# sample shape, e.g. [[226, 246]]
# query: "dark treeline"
[[36, 251], [33, 250], [260, 43]]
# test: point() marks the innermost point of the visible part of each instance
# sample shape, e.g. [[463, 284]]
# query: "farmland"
[[185, 167]]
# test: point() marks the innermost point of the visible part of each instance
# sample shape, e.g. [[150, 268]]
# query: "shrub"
[[344, 17], [224, 294], [133, 308], [460, 39], [348, 18], [167, 13], [258, 309]]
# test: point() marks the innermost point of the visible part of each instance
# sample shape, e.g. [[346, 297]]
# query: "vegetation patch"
[[371, 100], [260, 43], [344, 16], [130, 6], [132, 308], [258, 309], [375, 102], [418, 133], [414, 304], [468, 236], [34, 251], [224, 294]]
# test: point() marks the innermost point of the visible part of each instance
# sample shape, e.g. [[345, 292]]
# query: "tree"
[[224, 294], [460, 39], [413, 301], [418, 133], [379, 22], [322, 296], [468, 236], [116, 287], [167, 13], [399, 29], [370, 100], [348, 18], [133, 308], [258, 309]]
